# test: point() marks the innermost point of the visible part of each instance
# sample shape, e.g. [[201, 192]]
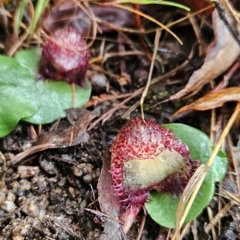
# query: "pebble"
[[88, 178], [7, 201], [27, 171], [39, 183], [62, 182], [48, 166], [36, 207], [83, 169], [7, 206]]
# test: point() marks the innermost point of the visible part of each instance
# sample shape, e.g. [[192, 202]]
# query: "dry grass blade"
[[151, 19], [194, 183], [144, 94], [219, 215], [234, 198]]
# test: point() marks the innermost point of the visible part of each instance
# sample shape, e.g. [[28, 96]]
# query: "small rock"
[[39, 183], [37, 207], [27, 171], [8, 206], [48, 166], [62, 182], [11, 196], [88, 178], [2, 159], [99, 82], [82, 169], [9, 156], [73, 191], [25, 185]]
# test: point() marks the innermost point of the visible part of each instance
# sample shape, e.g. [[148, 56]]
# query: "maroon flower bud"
[[65, 57]]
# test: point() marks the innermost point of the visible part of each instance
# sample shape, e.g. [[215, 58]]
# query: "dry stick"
[[134, 31], [112, 110], [194, 229], [89, 12], [179, 20], [221, 214], [105, 97], [156, 41], [208, 164], [138, 92], [232, 197], [141, 227], [29, 152], [210, 217], [73, 95], [100, 214], [185, 230], [197, 32], [212, 124], [65, 228]]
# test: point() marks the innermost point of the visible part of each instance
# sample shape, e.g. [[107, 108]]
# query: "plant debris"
[[61, 137]]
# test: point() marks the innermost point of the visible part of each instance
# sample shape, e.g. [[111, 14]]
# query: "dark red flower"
[[65, 57], [146, 156]]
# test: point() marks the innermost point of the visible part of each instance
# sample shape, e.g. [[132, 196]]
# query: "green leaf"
[[23, 97], [41, 5], [17, 94], [29, 59], [162, 207], [54, 98]]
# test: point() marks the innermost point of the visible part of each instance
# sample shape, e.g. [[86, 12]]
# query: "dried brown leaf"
[[60, 138], [213, 100], [109, 204], [221, 54]]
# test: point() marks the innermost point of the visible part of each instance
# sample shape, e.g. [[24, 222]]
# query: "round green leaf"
[[163, 207]]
